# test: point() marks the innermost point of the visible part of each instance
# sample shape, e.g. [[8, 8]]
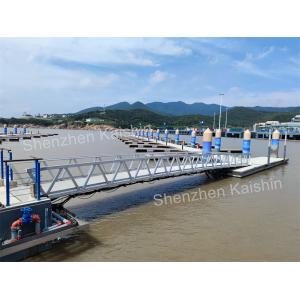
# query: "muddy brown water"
[[192, 219]]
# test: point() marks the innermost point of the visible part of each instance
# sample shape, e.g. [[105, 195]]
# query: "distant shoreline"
[[64, 126]]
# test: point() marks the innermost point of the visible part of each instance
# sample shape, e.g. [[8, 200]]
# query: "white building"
[[293, 126], [26, 116], [94, 120], [296, 118], [264, 125]]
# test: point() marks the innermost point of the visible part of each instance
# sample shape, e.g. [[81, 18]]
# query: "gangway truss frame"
[[74, 178]]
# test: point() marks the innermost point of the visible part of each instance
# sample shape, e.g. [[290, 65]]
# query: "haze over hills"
[[180, 108], [237, 117], [124, 118], [276, 109]]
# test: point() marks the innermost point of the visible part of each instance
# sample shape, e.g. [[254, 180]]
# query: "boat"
[[32, 227]]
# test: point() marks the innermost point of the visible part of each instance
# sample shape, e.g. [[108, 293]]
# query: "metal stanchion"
[[2, 163], [7, 187], [37, 180], [269, 146], [285, 145]]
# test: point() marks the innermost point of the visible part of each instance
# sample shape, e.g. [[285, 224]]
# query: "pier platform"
[[141, 143], [18, 195], [45, 185], [17, 137], [257, 164]]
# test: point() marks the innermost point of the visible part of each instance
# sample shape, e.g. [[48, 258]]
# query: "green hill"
[[180, 108], [237, 116], [245, 117]]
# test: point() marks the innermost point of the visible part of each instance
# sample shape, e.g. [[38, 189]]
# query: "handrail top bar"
[[157, 154], [20, 160], [7, 149], [128, 157], [82, 164]]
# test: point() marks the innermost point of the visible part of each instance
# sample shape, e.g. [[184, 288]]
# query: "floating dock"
[[155, 145], [257, 164], [32, 215], [32, 212], [27, 136]]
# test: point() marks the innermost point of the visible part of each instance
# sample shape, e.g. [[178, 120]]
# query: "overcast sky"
[[49, 75]]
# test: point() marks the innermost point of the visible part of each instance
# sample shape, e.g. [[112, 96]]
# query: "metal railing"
[[85, 174], [34, 178], [16, 186]]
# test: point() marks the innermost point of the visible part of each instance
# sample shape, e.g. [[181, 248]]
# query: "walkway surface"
[[257, 164], [77, 176]]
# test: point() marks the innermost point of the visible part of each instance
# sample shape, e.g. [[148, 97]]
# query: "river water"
[[193, 218]]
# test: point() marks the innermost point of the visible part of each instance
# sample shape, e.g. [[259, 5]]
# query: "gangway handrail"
[[134, 158], [129, 155], [78, 178]]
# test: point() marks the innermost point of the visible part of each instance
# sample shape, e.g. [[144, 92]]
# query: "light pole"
[[226, 117], [214, 121], [201, 126], [221, 101]]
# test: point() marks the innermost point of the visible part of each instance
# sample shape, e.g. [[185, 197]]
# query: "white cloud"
[[35, 69], [210, 87], [296, 60], [248, 65], [155, 78], [163, 46], [264, 53], [99, 82], [29, 85], [158, 77], [134, 51], [237, 96], [213, 60], [68, 74]]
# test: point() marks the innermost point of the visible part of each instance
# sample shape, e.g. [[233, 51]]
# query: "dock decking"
[[17, 137], [72, 178], [257, 164]]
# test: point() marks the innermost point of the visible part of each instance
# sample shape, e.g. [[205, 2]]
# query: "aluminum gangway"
[[56, 178], [77, 176]]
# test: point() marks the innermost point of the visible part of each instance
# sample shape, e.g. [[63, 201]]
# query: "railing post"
[[7, 187], [5, 129], [2, 164], [269, 146], [37, 179], [10, 157], [285, 145]]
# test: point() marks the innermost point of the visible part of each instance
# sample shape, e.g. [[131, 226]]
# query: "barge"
[[29, 223], [33, 217], [32, 227]]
